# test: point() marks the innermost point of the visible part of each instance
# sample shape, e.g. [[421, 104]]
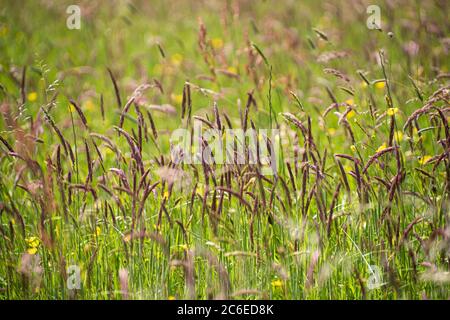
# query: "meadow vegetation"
[[359, 205]]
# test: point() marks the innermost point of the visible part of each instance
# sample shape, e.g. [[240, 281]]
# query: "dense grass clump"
[[90, 180]]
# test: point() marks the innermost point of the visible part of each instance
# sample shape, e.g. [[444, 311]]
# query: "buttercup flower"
[[277, 283], [380, 85], [392, 111], [423, 160], [382, 147], [32, 96]]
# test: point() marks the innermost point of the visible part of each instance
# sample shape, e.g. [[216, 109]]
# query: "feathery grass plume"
[[289, 117], [116, 88], [228, 121], [102, 108], [121, 203], [331, 55], [205, 121], [331, 95], [344, 176], [236, 194], [377, 155], [123, 178], [297, 100], [444, 123], [391, 131], [361, 74], [228, 73], [161, 50], [349, 130], [164, 108], [80, 112], [266, 62], [110, 144], [343, 117], [416, 88], [125, 110], [331, 107], [320, 34], [247, 110], [136, 154], [115, 198], [291, 176], [413, 117], [50, 121], [59, 172], [337, 74], [217, 116], [77, 186], [409, 228], [184, 101], [189, 101], [350, 91], [7, 145], [152, 125]]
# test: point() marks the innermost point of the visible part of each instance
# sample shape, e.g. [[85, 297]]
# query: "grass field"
[[95, 205]]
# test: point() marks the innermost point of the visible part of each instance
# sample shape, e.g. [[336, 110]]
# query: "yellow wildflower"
[[176, 59], [382, 147], [98, 231], [217, 43], [177, 98], [350, 102], [32, 96], [107, 151], [277, 283], [423, 160], [351, 114], [170, 298], [89, 105], [232, 70], [32, 250], [33, 242], [398, 136], [392, 111], [380, 85], [353, 148]]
